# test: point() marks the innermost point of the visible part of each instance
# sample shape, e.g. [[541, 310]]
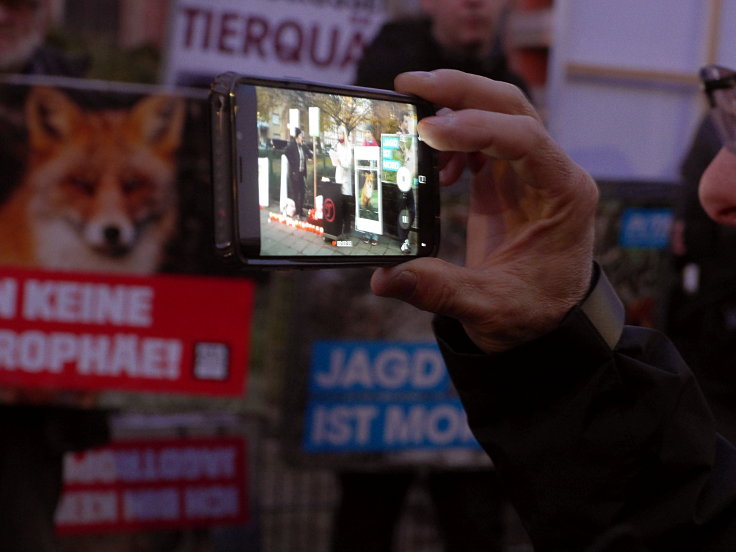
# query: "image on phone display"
[[335, 175]]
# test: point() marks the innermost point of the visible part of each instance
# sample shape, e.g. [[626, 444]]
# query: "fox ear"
[[158, 121], [51, 116]]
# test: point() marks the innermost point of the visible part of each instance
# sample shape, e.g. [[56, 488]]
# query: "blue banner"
[[645, 228], [376, 366], [386, 426], [373, 396]]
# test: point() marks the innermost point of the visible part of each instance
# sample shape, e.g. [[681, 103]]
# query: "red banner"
[[161, 484], [98, 332]]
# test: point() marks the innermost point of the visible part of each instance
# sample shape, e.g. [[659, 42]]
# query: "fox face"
[[99, 190], [366, 193]]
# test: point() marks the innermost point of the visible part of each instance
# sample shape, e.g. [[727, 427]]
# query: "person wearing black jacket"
[[297, 171], [599, 432], [701, 313], [454, 34]]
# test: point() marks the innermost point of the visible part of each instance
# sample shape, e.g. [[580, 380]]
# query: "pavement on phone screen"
[[286, 236]]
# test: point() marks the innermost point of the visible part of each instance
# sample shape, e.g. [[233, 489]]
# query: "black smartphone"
[[312, 175]]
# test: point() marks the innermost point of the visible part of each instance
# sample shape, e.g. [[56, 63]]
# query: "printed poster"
[[108, 279], [317, 40], [142, 485]]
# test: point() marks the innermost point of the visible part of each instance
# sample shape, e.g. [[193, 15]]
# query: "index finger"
[[458, 90]]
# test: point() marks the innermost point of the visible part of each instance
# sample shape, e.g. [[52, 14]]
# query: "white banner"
[[317, 40]]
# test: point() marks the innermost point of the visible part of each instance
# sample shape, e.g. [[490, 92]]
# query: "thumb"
[[429, 284]]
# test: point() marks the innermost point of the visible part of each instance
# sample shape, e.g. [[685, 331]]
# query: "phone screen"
[[332, 175]]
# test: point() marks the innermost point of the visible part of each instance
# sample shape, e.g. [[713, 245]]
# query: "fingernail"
[[420, 74], [423, 75], [444, 112], [420, 136], [439, 121]]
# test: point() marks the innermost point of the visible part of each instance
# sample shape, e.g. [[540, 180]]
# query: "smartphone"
[[313, 175]]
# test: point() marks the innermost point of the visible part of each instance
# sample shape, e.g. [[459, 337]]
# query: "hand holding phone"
[[310, 175], [530, 226]]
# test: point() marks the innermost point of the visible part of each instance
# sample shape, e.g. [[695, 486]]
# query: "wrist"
[[599, 308]]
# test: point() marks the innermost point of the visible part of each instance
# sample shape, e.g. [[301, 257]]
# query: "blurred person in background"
[[24, 25], [297, 157], [466, 35], [343, 162], [37, 426], [701, 315], [454, 34], [370, 137]]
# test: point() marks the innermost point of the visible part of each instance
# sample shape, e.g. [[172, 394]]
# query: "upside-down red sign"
[[99, 332], [155, 484]]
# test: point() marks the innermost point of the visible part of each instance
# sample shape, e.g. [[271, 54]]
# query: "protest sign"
[[317, 40], [84, 331], [155, 484], [376, 396]]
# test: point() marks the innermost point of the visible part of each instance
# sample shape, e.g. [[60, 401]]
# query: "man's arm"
[[599, 445], [593, 436]]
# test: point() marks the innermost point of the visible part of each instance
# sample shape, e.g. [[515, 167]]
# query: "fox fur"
[[98, 192]]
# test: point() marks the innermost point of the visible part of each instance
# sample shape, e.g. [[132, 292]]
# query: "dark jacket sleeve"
[[597, 445]]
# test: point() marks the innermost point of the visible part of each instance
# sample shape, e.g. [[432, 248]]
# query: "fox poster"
[[98, 189], [104, 209]]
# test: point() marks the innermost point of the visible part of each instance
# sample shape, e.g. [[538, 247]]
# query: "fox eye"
[[84, 185], [132, 184]]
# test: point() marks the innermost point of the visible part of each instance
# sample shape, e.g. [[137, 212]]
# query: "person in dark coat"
[[452, 34], [297, 171], [701, 314]]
